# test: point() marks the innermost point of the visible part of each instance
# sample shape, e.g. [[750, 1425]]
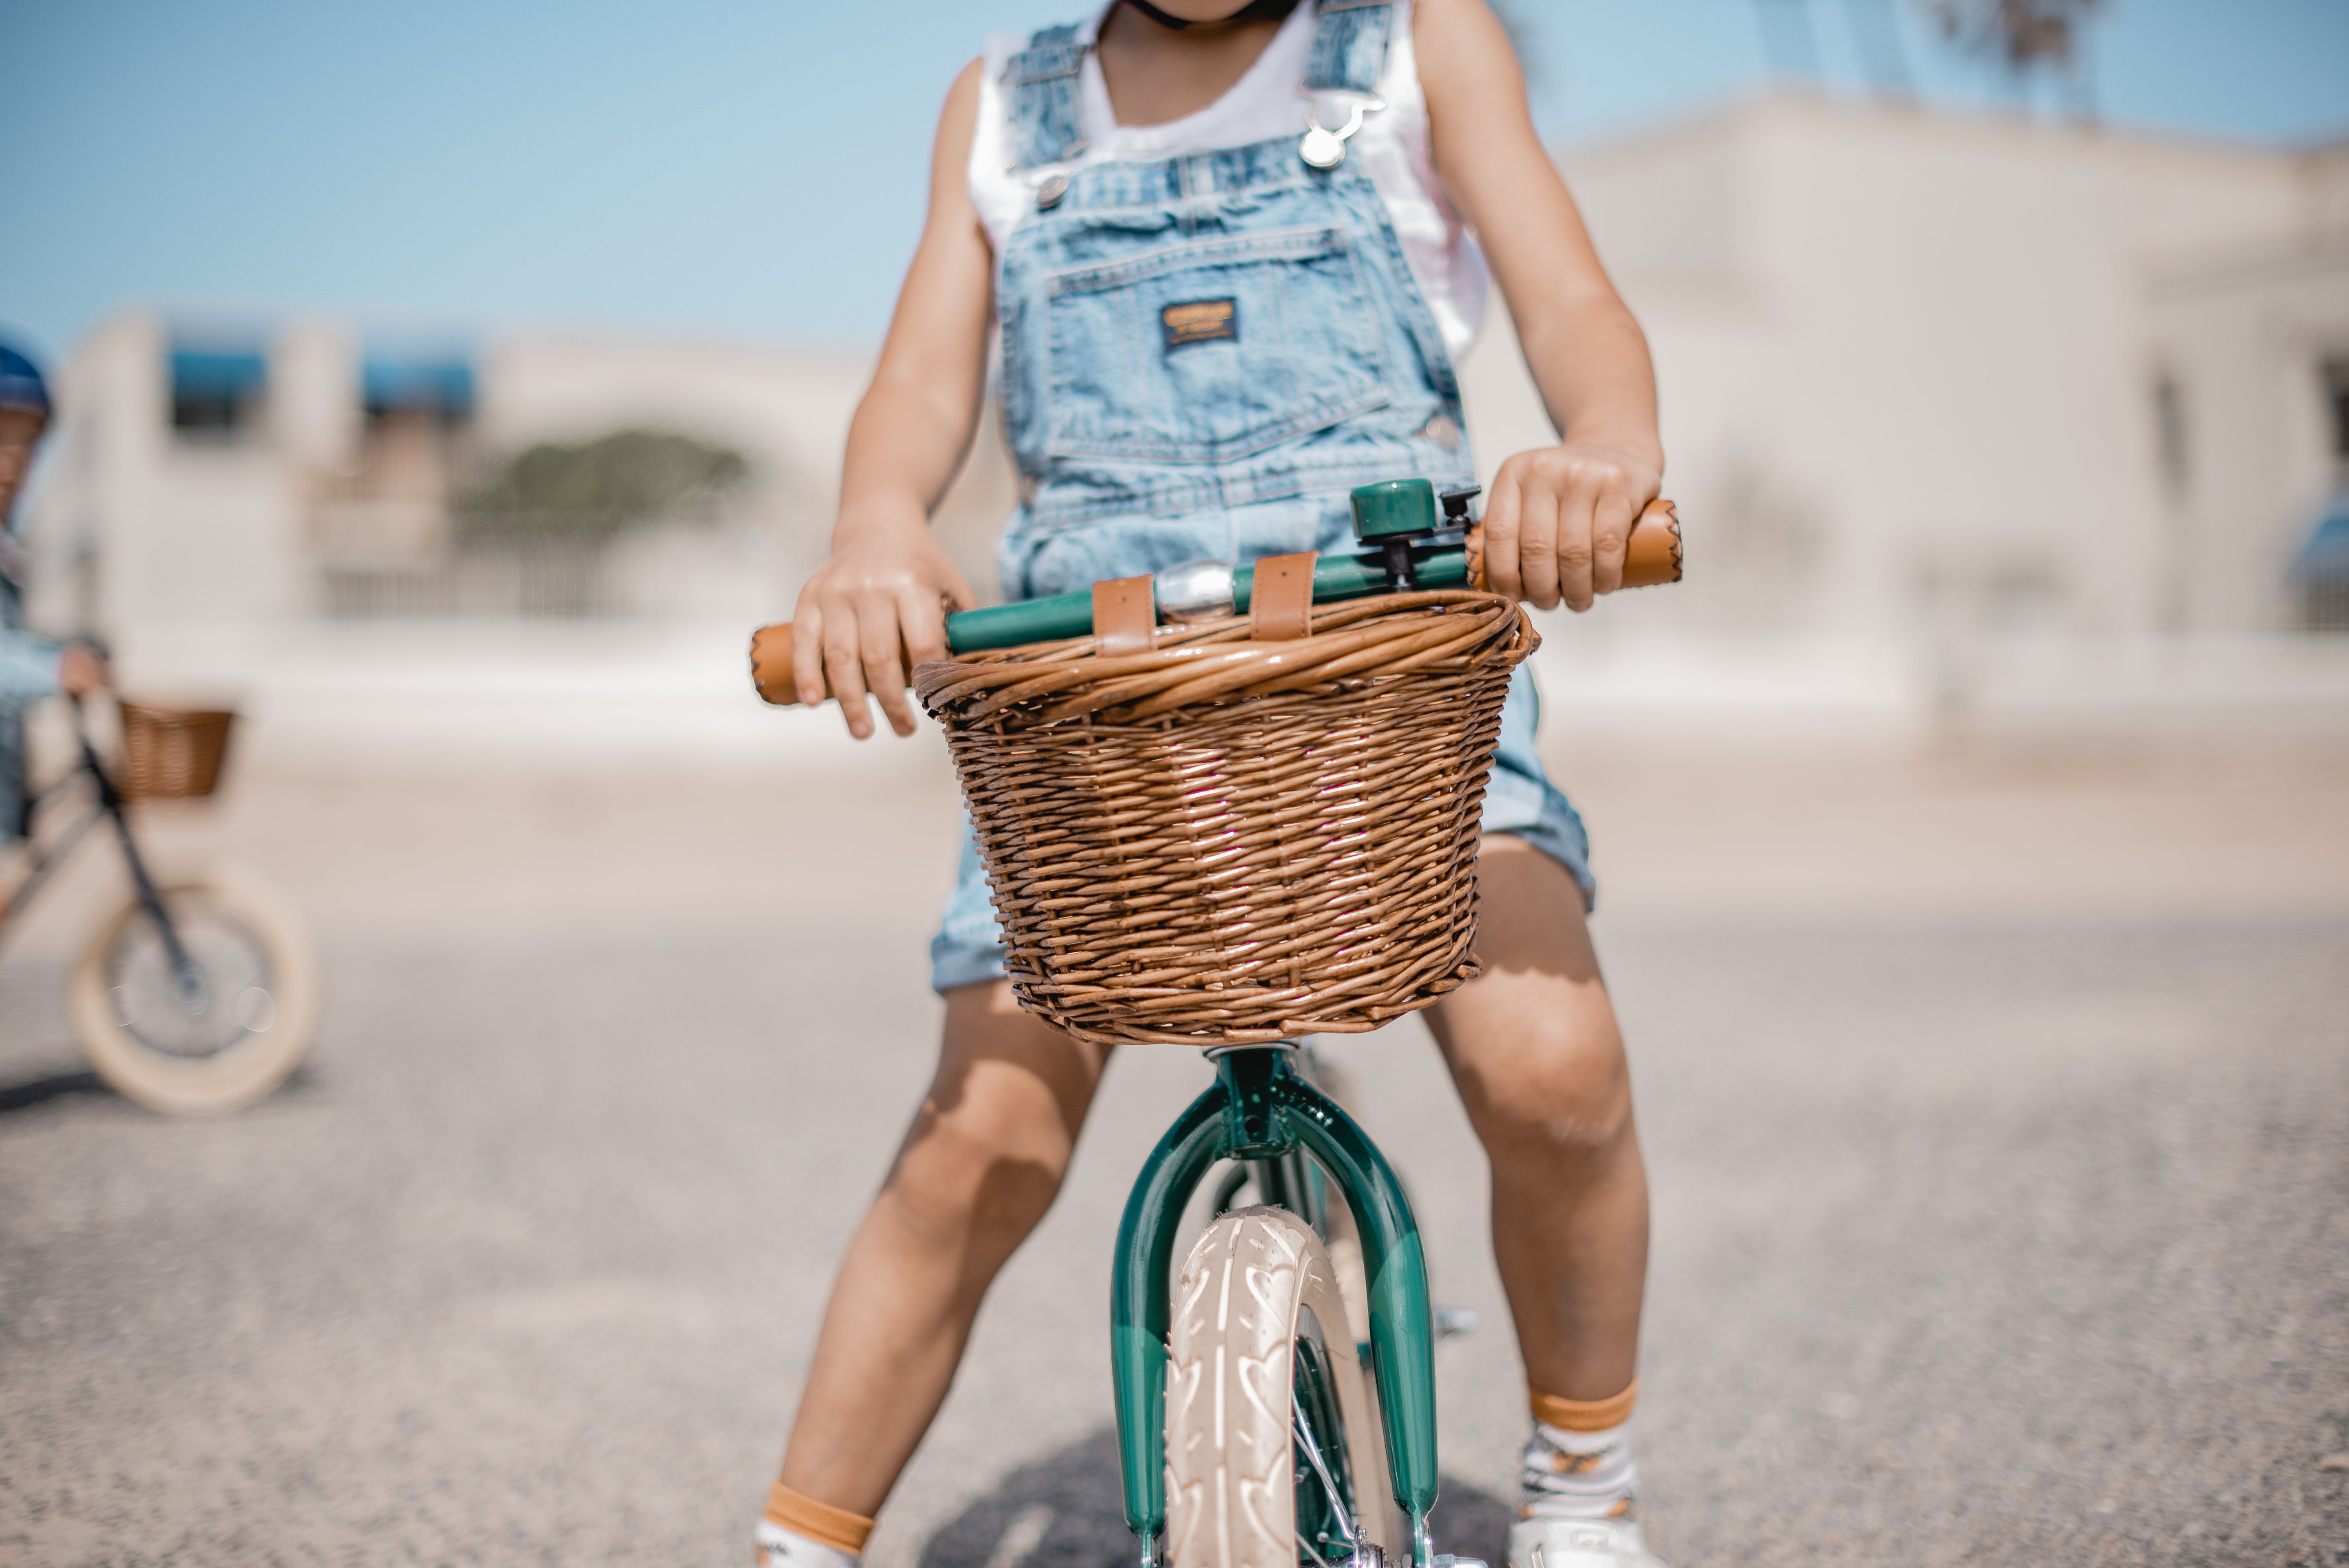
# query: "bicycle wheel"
[[214, 1047], [1373, 1485], [1267, 1416]]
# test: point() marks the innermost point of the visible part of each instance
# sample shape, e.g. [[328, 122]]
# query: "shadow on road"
[[29, 1094], [1470, 1521], [32, 1092], [1065, 1511]]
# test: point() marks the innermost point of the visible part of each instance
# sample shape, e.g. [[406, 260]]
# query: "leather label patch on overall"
[[1200, 320]]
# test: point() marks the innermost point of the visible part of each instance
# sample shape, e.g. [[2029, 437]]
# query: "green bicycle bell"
[[1395, 514], [1395, 508]]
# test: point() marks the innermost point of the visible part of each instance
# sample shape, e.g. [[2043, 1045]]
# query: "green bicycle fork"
[[1260, 1110]]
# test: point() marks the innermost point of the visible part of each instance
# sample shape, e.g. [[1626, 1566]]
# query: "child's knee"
[[1563, 1092], [992, 1158]]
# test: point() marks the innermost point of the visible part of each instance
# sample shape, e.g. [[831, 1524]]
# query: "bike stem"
[[1259, 1109]]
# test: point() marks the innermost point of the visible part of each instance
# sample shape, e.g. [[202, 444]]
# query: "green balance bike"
[[1276, 1394]]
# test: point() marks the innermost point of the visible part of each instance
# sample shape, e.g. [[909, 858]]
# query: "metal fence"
[[562, 578], [2324, 604]]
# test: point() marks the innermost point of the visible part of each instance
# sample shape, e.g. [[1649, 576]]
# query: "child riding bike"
[[31, 667], [1225, 251]]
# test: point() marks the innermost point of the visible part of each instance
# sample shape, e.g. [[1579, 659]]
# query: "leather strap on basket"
[[1280, 604], [1125, 616]]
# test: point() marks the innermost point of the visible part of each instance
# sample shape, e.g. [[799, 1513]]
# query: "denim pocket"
[[1210, 350]]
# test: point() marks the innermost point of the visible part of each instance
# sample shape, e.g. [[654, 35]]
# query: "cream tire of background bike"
[[244, 1072], [1258, 1281]]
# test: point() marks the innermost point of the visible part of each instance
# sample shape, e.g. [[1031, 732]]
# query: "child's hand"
[[1557, 519], [82, 669], [872, 613]]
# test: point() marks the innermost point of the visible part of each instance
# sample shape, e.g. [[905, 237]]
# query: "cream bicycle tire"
[[1384, 1519], [241, 1073], [1257, 1282]]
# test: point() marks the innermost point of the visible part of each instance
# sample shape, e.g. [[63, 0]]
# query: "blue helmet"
[[21, 386]]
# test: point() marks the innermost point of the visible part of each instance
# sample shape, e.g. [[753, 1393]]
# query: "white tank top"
[[1393, 145]]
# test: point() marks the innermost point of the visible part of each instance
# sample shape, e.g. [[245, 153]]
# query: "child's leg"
[[977, 1170], [1533, 1047]]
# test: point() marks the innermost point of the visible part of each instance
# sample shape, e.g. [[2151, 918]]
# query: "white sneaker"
[[1579, 1543], [781, 1548]]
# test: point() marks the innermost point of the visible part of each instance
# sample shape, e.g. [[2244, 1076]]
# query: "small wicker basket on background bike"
[[1225, 839], [171, 753]]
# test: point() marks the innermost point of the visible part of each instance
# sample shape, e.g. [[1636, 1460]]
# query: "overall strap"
[[1041, 83], [1349, 45]]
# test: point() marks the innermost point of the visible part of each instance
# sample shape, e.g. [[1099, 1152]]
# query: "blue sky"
[[442, 168]]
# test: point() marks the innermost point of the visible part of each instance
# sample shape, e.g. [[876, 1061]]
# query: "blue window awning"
[[213, 377], [2326, 553], [443, 387]]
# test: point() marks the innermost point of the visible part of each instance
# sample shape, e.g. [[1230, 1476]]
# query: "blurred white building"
[[2075, 377], [1965, 415], [1971, 411], [212, 480]]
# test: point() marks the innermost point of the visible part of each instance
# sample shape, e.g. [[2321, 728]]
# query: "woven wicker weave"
[[171, 753], [1223, 840]]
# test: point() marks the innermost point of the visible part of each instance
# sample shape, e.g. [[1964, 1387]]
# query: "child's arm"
[[887, 576], [1557, 519]]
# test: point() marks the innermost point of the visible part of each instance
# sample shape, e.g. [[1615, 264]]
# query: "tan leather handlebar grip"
[[771, 660], [1651, 553], [770, 664], [1652, 556]]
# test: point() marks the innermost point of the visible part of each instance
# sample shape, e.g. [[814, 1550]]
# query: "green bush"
[[596, 488]]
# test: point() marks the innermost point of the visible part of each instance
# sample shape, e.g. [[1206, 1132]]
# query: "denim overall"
[[1200, 358], [28, 672]]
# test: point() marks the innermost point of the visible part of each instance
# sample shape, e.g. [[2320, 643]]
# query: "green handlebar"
[[1397, 517], [1071, 614]]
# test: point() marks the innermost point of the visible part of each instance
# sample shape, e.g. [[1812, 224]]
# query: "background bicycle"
[[197, 995]]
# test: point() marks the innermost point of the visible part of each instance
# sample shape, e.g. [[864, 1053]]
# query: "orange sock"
[[1584, 1415], [797, 1513], [1578, 1463]]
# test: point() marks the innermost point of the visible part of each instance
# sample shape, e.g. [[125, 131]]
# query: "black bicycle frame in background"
[[186, 978]]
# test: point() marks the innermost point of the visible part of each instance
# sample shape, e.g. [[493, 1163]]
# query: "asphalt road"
[[2004, 1229]]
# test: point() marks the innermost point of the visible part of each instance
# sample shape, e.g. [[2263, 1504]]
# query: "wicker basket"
[[1222, 841], [171, 753]]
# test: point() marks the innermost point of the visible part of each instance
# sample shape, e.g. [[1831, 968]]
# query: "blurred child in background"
[[31, 667]]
